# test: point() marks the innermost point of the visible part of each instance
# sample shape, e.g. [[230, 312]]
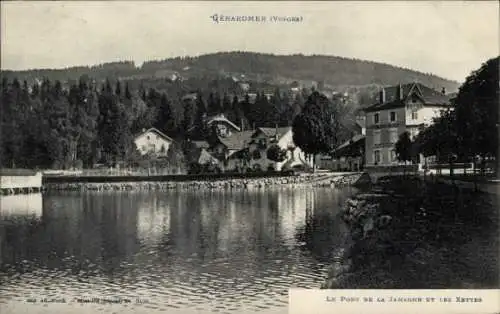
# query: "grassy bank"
[[411, 234]]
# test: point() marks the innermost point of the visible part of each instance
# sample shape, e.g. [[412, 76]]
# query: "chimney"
[[143, 130], [382, 96], [241, 124], [443, 91], [400, 92]]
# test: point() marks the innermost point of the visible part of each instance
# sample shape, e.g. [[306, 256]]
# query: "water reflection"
[[211, 251], [21, 205]]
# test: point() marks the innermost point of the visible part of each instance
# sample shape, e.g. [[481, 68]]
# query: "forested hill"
[[334, 72]]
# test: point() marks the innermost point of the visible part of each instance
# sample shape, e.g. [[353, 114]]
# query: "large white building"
[[408, 107]]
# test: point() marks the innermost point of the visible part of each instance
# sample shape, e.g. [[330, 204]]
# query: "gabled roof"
[[426, 94], [348, 148], [206, 158], [271, 132], [361, 122], [236, 140], [353, 140], [221, 118], [155, 130]]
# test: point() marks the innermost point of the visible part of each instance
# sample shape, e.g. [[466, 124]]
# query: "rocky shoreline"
[[412, 235], [301, 180]]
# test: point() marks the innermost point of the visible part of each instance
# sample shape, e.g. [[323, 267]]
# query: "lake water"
[[174, 252]]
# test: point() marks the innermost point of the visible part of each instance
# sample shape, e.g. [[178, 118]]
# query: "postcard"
[[249, 157]]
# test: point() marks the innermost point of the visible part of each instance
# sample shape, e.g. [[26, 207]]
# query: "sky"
[[448, 38]]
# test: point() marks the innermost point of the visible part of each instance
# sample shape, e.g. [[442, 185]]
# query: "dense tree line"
[[468, 132], [49, 125]]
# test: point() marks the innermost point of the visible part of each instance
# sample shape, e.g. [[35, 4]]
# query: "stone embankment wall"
[[159, 186], [238, 183], [345, 179], [365, 220]]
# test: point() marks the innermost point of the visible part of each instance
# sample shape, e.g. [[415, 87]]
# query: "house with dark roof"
[[254, 146], [400, 108], [349, 155], [223, 147], [153, 141]]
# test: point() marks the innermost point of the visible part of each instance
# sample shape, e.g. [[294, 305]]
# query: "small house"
[[153, 141]]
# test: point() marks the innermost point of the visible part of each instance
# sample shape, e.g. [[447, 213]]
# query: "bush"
[[257, 168], [275, 153], [194, 168], [78, 164], [256, 154]]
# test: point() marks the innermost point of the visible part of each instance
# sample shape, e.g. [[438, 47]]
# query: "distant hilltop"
[[329, 71]]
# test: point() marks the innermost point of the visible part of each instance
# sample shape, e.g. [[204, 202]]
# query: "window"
[[393, 135], [414, 115], [376, 137], [148, 137], [393, 155], [393, 116], [375, 118], [376, 157], [262, 143]]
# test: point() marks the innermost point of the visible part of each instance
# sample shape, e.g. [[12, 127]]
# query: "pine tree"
[[226, 103], [115, 134], [165, 120], [128, 95], [118, 89]]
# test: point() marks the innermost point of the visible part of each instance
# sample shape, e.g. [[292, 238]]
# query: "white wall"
[[152, 141], [285, 141], [386, 143], [12, 182], [426, 114]]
